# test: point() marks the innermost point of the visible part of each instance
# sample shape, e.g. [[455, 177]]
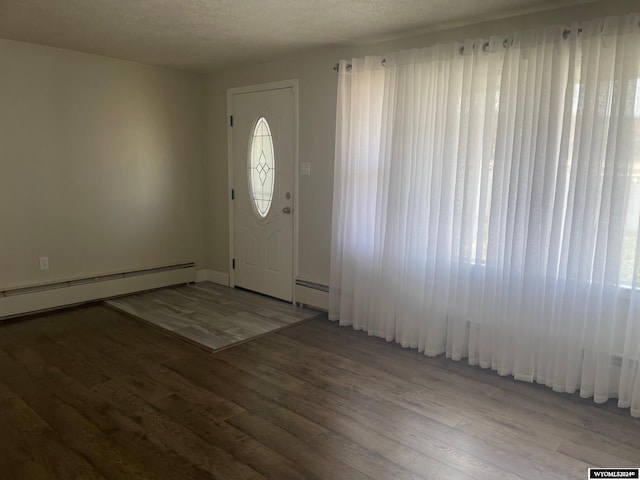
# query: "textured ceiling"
[[203, 35]]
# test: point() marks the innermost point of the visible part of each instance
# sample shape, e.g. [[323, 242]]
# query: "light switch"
[[305, 168]]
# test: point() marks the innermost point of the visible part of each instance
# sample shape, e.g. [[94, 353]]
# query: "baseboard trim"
[[205, 275]]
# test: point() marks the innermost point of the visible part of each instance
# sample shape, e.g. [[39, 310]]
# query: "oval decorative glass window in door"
[[262, 168]]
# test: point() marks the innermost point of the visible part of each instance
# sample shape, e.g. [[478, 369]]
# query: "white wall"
[[318, 87], [101, 165]]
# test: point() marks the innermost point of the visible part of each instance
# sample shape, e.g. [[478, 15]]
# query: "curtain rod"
[[565, 34], [336, 67]]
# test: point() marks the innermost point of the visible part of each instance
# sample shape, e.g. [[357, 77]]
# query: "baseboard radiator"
[[31, 299], [312, 294]]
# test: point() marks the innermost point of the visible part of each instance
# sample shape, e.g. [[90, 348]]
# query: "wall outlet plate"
[[44, 263], [305, 168]]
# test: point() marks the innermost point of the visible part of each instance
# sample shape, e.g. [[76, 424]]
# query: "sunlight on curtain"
[[487, 204]]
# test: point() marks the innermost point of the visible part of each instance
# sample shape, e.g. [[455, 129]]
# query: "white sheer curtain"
[[487, 204]]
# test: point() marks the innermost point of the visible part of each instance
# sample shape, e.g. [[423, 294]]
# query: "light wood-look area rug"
[[211, 315]]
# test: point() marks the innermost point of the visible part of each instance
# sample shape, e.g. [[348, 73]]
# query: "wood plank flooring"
[[92, 393], [211, 315]]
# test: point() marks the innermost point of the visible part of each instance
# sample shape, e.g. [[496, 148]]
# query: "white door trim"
[[291, 83]]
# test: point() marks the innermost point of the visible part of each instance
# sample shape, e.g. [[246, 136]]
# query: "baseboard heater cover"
[[312, 294], [312, 285], [31, 299]]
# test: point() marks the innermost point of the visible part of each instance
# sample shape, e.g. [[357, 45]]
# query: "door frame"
[[263, 87]]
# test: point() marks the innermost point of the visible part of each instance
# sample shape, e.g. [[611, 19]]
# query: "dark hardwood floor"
[[92, 393]]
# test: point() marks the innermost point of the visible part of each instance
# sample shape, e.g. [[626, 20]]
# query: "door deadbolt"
[[286, 210], [287, 195]]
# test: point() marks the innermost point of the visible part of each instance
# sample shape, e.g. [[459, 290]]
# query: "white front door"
[[263, 149]]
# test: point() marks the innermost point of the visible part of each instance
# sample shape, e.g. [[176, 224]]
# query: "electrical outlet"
[[44, 263]]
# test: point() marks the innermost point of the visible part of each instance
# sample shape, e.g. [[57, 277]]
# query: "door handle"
[[286, 210]]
